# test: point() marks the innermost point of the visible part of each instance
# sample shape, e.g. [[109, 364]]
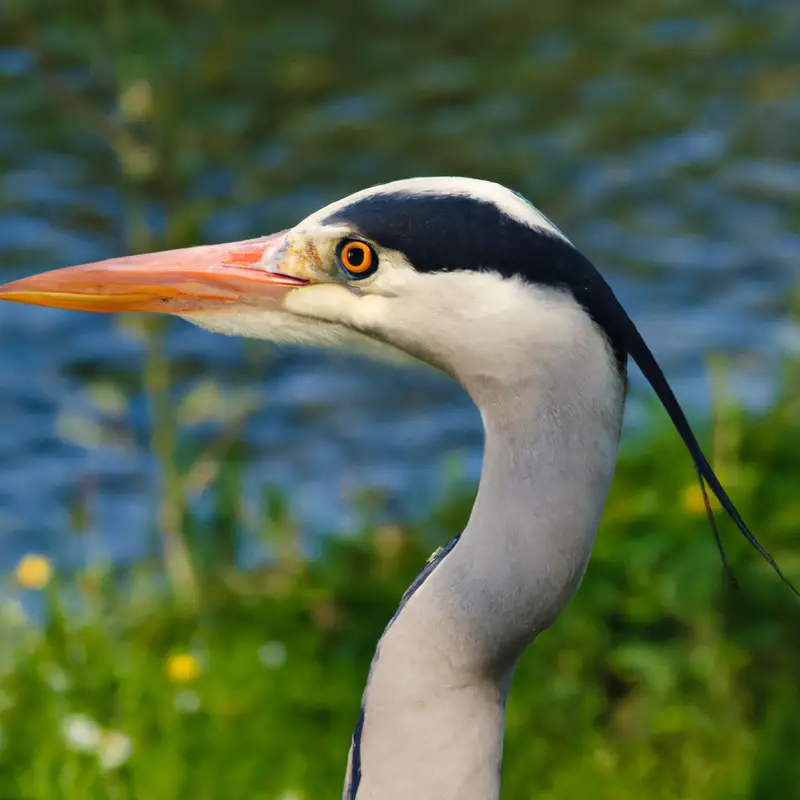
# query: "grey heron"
[[469, 277]]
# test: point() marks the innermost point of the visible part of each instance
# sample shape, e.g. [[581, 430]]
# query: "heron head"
[[459, 273]]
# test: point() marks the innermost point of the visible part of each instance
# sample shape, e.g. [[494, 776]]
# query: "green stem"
[[172, 502]]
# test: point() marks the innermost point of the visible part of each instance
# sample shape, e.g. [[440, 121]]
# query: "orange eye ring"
[[356, 258]]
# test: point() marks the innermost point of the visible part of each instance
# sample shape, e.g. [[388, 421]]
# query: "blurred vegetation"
[[187, 675], [659, 681]]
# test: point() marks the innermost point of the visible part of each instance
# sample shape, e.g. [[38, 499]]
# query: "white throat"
[[433, 708]]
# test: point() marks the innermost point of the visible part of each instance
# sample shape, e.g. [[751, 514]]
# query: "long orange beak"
[[171, 282]]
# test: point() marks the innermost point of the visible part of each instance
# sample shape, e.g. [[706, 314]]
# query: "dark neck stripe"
[[355, 762], [447, 232]]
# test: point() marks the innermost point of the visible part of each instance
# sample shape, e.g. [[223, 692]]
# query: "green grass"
[[659, 681]]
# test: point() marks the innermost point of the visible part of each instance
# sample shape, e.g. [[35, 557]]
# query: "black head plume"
[[625, 331]]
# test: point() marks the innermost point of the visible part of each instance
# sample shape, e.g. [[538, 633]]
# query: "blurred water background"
[[144, 463], [661, 137]]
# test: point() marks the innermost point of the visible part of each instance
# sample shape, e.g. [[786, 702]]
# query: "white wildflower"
[[187, 701], [114, 750], [272, 655], [81, 733]]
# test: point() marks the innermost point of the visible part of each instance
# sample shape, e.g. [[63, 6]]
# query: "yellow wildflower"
[[692, 500], [182, 668], [33, 572]]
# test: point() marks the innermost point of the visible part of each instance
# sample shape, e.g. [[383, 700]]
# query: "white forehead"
[[508, 202]]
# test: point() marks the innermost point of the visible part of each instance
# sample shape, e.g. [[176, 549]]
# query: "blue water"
[[679, 177]]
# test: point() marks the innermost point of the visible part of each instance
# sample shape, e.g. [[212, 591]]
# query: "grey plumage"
[[469, 277]]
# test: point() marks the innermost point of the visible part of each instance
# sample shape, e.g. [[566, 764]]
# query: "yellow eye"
[[357, 258]]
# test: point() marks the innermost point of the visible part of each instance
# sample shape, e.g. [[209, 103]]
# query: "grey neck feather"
[[435, 700]]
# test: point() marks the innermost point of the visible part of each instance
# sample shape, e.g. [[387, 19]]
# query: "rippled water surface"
[[661, 137]]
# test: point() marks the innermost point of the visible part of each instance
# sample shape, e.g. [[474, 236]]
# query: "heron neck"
[[433, 709]]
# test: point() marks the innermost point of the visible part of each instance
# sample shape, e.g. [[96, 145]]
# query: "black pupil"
[[355, 256]]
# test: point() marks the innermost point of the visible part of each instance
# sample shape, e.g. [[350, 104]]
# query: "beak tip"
[[204, 277]]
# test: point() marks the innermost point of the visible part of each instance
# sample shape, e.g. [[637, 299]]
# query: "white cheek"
[[275, 326], [399, 280], [337, 304], [323, 301], [290, 328]]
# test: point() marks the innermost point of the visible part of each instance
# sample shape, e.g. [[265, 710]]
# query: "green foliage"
[[658, 681]]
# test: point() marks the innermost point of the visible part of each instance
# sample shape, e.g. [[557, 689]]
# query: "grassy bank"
[[659, 681]]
